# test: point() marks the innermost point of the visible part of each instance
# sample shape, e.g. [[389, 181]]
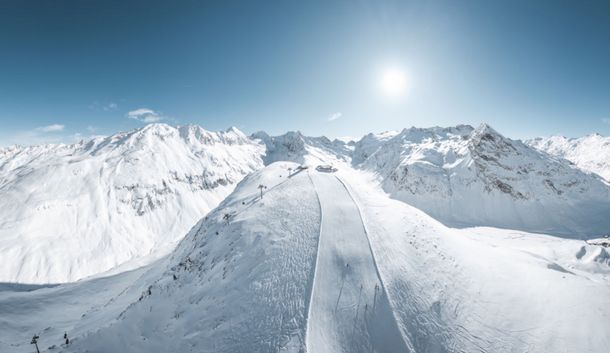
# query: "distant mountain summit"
[[590, 153], [468, 177]]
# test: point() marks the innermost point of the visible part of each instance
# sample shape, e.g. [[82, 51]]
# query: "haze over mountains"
[[427, 240]]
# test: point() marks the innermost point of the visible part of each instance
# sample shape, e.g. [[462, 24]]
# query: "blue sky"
[[71, 69]]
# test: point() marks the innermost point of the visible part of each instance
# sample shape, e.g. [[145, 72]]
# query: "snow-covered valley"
[[425, 240]]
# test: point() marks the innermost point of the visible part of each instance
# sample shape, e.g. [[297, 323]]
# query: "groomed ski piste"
[[327, 262]]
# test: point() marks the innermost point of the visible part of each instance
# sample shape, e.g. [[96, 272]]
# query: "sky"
[[74, 69]]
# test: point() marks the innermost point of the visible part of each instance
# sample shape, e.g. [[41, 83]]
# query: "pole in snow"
[[35, 342]]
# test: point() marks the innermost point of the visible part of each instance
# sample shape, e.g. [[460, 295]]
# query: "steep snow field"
[[272, 274], [477, 177], [71, 211], [590, 153]]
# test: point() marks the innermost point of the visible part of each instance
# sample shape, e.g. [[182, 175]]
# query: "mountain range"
[[173, 239], [121, 201]]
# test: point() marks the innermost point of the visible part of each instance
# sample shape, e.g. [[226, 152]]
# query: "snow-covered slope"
[[70, 211], [239, 281], [328, 263], [471, 177], [486, 289], [590, 153], [293, 146]]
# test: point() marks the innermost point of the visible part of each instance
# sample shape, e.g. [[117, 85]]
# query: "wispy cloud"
[[53, 133], [145, 115], [107, 107], [335, 116], [606, 120], [51, 128], [110, 106]]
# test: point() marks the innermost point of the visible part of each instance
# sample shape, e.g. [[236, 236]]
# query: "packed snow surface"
[[327, 262], [590, 153], [71, 211]]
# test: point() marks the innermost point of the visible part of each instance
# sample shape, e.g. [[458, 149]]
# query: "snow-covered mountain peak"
[[90, 207], [294, 146], [590, 153], [466, 176]]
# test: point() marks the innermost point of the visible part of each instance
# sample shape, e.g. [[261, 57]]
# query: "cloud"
[[110, 106], [53, 133], [51, 128], [606, 120], [335, 116], [145, 115], [107, 107]]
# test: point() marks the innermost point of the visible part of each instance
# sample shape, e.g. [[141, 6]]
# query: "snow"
[[243, 289], [293, 146], [349, 309], [590, 153], [75, 308], [423, 240], [116, 203], [273, 276], [485, 289], [72, 211], [472, 177]]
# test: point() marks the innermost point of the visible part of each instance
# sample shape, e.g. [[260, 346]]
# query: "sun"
[[393, 82]]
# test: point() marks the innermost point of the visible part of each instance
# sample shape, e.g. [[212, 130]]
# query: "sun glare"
[[393, 82]]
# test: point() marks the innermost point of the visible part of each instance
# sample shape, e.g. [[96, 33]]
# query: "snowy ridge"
[[260, 275], [464, 177], [70, 211], [239, 281], [121, 201], [293, 146], [590, 153], [243, 280]]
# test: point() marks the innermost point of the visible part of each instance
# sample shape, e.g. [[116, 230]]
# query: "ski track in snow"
[[349, 309]]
